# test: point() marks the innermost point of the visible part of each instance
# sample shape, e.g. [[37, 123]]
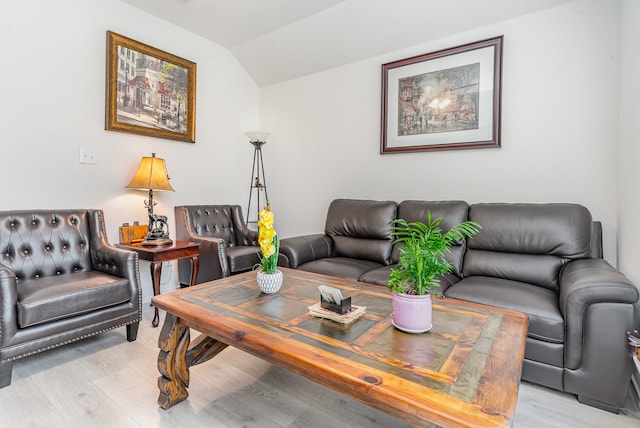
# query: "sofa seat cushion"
[[380, 276], [55, 297], [342, 267], [540, 304], [242, 259]]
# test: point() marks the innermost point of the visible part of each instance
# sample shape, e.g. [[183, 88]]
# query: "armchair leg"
[[132, 331], [5, 373]]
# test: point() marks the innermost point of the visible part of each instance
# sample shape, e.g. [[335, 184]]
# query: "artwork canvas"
[[440, 101]]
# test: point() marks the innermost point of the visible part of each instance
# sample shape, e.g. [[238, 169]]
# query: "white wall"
[[629, 178], [559, 127], [52, 104]]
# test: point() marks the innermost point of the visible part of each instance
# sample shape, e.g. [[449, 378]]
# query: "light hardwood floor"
[[105, 381]]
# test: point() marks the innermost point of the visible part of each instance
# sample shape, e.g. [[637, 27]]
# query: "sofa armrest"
[[8, 305], [587, 282], [303, 249]]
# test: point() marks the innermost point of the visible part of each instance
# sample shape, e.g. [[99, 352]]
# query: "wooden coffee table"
[[464, 372]]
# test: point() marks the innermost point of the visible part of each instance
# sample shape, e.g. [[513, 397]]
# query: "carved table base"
[[176, 357]]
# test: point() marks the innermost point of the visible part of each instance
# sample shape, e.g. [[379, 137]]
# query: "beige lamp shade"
[[151, 175]]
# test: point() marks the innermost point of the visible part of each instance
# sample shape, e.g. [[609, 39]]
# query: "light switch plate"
[[88, 156]]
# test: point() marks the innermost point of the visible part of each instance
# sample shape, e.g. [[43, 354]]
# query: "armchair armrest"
[[586, 282], [246, 236], [112, 260], [303, 249], [115, 261], [8, 305], [213, 257]]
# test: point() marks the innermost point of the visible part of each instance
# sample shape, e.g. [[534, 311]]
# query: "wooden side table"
[[165, 253]]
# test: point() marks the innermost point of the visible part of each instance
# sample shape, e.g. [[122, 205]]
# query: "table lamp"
[[152, 175]]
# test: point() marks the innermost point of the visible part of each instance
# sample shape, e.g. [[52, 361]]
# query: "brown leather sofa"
[[227, 245], [540, 259], [61, 281]]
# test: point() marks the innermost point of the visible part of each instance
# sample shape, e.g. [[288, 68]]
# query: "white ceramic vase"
[[269, 283]]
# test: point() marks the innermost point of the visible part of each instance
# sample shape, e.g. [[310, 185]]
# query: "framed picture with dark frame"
[[149, 92], [444, 100]]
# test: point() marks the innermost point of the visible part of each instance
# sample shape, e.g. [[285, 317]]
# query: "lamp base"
[[156, 242]]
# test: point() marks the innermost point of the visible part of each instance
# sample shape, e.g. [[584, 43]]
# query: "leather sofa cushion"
[[552, 233], [377, 250], [361, 229], [540, 304], [341, 267], [541, 270], [56, 297], [452, 214], [242, 259]]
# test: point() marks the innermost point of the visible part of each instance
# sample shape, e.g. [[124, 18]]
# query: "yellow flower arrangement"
[[268, 241]]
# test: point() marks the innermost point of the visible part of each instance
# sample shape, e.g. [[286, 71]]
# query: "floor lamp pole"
[[258, 181]]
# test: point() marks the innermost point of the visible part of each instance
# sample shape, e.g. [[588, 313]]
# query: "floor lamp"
[[258, 181]]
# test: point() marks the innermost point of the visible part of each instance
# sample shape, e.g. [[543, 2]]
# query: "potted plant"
[[269, 278], [421, 264]]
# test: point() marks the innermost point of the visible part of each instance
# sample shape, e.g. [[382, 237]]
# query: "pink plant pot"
[[411, 314]]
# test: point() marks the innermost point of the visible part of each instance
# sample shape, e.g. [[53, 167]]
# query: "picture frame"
[[149, 91], [444, 100]]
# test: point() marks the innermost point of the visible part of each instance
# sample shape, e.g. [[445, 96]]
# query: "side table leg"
[[156, 271], [172, 362], [195, 265]]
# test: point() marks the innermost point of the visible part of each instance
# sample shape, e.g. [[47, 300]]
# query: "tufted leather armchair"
[[61, 281], [227, 245]]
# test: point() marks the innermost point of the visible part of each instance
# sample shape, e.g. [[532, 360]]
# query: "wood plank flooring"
[[105, 381]]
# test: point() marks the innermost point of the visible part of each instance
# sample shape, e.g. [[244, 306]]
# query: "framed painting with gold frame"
[[444, 100], [149, 91]]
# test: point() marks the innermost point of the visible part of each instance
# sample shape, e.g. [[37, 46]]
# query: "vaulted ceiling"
[[279, 40]]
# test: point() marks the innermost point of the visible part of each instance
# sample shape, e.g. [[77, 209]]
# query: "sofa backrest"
[[212, 221], [39, 243], [361, 229], [527, 242], [452, 213]]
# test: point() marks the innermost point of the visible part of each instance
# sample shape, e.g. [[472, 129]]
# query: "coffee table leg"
[[172, 362]]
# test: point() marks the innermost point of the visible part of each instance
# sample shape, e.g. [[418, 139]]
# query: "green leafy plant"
[[422, 252]]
